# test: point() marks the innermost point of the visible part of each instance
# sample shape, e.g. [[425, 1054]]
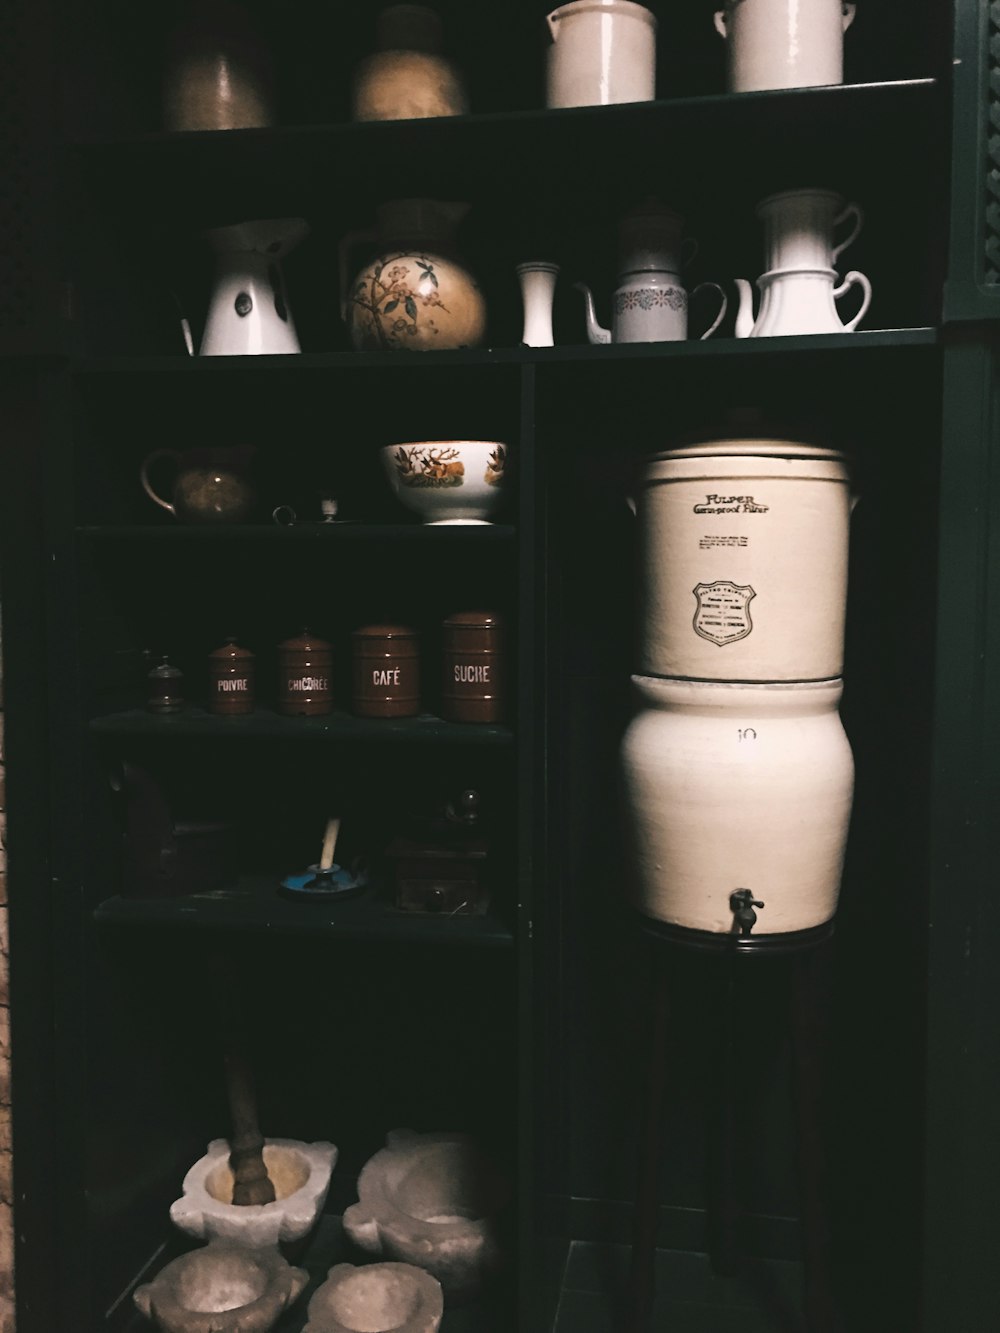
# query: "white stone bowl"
[[448, 481], [379, 1298], [223, 1288], [300, 1173], [432, 1200]]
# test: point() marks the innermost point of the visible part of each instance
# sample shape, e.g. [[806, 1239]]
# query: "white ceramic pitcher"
[[743, 547], [602, 51], [736, 786], [784, 43], [249, 312]]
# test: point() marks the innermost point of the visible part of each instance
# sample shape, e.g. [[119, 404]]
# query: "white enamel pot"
[[743, 561], [733, 787], [602, 51], [784, 43]]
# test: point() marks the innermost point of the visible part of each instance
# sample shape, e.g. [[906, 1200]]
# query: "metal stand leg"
[[809, 995], [642, 1286]]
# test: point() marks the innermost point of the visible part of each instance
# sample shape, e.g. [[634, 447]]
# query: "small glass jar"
[[165, 691]]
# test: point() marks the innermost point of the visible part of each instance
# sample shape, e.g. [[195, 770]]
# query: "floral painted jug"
[[416, 294]]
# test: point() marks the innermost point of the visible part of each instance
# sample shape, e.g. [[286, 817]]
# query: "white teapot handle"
[[723, 306], [720, 22], [849, 11], [855, 279], [553, 21], [852, 210]]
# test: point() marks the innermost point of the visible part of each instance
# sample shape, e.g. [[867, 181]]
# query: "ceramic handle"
[[849, 11], [720, 23], [723, 306], [855, 279], [553, 21], [343, 256], [147, 485], [852, 210]]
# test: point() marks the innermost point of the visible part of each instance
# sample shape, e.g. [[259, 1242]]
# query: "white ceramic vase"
[[799, 227], [602, 51], [784, 43], [736, 786], [743, 561], [538, 287]]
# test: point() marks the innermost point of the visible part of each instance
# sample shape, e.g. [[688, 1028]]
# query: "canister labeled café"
[[231, 680], [304, 683], [743, 561], [386, 671], [730, 787], [472, 654]]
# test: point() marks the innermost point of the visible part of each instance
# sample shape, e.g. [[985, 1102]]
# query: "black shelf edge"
[[429, 534], [254, 904], [742, 103], [862, 340], [196, 723]]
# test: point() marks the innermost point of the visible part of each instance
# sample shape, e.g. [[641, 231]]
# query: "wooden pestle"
[[251, 1183]]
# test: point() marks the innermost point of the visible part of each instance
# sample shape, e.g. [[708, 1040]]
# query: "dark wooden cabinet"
[[527, 1025]]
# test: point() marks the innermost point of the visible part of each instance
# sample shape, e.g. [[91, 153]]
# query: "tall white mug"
[[602, 51]]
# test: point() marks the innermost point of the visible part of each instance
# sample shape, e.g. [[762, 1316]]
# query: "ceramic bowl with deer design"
[[448, 481]]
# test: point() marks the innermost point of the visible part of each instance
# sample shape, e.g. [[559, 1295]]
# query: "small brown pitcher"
[[211, 485]]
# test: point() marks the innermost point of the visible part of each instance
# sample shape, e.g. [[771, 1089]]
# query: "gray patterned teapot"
[[650, 303]]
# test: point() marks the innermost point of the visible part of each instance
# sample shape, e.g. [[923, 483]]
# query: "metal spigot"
[[741, 904]]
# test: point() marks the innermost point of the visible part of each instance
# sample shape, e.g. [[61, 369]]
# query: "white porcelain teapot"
[[798, 301]]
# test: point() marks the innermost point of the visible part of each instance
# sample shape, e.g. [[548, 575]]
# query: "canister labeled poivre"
[[737, 787], [231, 677], [473, 675], [386, 671], [743, 561], [305, 687]]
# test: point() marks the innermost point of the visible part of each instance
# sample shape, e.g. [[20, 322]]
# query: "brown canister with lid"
[[304, 670], [231, 680], [472, 654], [386, 671]]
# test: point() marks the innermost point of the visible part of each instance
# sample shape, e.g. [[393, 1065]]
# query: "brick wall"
[[6, 1159]]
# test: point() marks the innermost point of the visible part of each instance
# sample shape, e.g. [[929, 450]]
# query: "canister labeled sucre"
[[386, 671], [472, 688], [231, 678], [304, 676]]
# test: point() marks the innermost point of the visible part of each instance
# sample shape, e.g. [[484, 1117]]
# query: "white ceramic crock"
[[737, 787], [602, 51], [784, 43], [743, 561], [799, 228]]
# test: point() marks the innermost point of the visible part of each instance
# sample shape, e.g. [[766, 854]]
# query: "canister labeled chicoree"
[[305, 687], [732, 786], [231, 680], [472, 655], [386, 671], [743, 561]]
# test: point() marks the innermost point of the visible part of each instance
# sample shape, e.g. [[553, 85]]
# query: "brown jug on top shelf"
[[304, 676], [386, 671], [231, 680], [218, 72], [473, 676], [407, 78]]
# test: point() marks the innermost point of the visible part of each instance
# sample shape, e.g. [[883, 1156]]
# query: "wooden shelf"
[[335, 533], [253, 904], [196, 724]]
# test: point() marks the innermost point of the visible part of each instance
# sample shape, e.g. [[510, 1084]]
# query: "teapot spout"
[[744, 314], [595, 333]]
